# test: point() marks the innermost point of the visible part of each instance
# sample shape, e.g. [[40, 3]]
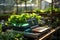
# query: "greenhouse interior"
[[29, 19]]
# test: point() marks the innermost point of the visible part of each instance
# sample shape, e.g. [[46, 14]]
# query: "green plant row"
[[47, 10], [22, 18], [11, 35]]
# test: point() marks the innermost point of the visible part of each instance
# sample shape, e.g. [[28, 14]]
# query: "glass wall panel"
[[21, 6], [6, 6], [44, 4], [26, 6]]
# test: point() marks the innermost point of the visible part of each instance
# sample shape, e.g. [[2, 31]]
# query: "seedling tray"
[[36, 34]]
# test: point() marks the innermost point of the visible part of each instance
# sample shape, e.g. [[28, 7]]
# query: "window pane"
[[6, 6]]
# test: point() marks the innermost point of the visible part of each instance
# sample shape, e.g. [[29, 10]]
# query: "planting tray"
[[36, 34], [5, 27], [20, 28]]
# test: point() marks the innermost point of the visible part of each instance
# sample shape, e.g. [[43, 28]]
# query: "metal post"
[[3, 6], [52, 7], [25, 5], [52, 19], [16, 6]]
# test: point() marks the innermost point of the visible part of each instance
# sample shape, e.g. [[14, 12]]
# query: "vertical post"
[[40, 4], [52, 19], [37, 4], [52, 7], [4, 6], [17, 1], [16, 7], [25, 5]]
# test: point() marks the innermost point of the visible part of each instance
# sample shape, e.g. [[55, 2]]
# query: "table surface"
[[49, 33], [37, 34]]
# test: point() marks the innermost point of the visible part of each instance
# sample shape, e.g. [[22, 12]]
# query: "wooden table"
[[45, 36]]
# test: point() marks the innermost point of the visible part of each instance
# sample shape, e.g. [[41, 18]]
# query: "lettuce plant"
[[22, 18], [39, 11], [11, 35]]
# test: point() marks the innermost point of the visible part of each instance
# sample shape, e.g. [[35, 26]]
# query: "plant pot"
[[4, 28], [19, 28]]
